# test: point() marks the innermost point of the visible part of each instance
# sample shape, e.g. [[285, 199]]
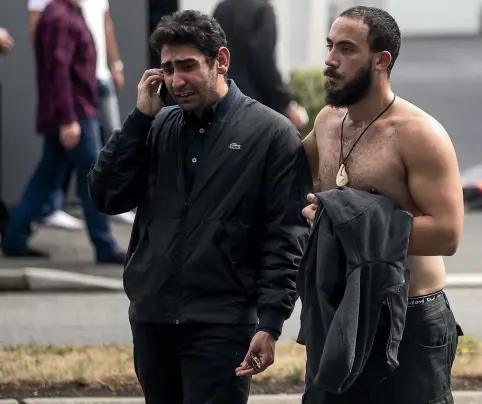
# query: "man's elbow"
[[452, 241]]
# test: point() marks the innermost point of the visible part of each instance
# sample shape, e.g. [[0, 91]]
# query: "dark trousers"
[[191, 363], [426, 355]]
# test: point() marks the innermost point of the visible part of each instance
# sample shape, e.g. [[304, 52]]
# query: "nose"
[[331, 61], [178, 80]]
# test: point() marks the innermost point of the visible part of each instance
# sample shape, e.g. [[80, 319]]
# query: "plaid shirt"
[[66, 59]]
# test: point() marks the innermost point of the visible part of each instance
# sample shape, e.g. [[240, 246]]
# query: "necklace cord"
[[342, 160]]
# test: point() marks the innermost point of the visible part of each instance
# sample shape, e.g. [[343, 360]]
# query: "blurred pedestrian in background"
[[110, 79], [251, 31], [6, 46], [67, 88]]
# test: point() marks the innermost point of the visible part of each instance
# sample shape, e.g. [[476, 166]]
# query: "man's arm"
[[284, 232], [33, 17], [113, 57], [35, 8], [118, 180], [57, 46], [435, 188], [311, 149]]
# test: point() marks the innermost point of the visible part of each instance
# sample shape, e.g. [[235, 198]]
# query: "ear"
[[223, 60], [383, 61]]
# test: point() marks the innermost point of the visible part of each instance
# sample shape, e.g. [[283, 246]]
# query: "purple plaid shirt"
[[66, 59]]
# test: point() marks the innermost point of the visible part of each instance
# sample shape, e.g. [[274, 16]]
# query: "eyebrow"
[[342, 42], [165, 65]]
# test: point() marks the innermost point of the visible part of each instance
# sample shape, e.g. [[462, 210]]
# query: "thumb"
[[311, 198], [246, 361]]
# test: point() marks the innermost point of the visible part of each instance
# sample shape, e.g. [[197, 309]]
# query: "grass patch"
[[111, 366]]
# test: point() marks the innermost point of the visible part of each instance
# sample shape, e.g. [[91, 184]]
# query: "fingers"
[[254, 364], [312, 198], [151, 83], [310, 212], [69, 142], [150, 76], [245, 368]]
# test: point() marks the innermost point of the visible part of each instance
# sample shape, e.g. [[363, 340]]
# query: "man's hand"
[[148, 101], [263, 347], [310, 211], [297, 115], [6, 41], [70, 135]]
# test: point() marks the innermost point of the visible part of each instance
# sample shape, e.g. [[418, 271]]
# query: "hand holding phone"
[[147, 100]]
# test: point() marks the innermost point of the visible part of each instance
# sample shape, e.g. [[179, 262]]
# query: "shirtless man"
[[406, 155]]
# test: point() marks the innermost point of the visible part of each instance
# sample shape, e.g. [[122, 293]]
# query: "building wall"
[[426, 17]]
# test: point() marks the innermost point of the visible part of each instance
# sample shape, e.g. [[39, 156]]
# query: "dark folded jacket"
[[355, 263]]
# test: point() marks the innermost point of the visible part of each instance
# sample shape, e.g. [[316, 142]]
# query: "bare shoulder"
[[419, 131], [422, 138], [325, 119]]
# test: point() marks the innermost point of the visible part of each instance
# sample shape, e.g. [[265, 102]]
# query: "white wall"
[[427, 17], [435, 17]]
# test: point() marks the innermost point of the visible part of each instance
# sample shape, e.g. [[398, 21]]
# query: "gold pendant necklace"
[[342, 178]]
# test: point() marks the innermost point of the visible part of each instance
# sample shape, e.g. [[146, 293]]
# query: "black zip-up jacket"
[[356, 263], [227, 252]]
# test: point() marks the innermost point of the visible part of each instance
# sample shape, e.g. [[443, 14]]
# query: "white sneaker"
[[127, 217], [63, 220]]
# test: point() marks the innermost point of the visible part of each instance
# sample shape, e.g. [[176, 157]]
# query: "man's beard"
[[352, 92]]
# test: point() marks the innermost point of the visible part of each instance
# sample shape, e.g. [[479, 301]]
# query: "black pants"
[[191, 364], [426, 355]]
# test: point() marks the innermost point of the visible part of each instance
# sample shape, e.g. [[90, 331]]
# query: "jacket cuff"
[[275, 333], [270, 319], [137, 123]]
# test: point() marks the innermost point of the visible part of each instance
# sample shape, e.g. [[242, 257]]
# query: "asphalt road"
[[444, 77], [102, 318]]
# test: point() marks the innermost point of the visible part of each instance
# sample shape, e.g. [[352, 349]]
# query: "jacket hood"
[[367, 238]]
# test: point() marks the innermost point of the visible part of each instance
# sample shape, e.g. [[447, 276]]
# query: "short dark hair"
[[383, 31], [189, 27]]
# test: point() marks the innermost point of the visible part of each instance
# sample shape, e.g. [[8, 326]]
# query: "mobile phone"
[[255, 362], [162, 93]]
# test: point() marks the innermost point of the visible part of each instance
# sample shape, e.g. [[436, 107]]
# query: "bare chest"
[[372, 163]]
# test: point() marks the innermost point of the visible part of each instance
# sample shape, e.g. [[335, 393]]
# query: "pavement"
[[71, 266], [466, 397]]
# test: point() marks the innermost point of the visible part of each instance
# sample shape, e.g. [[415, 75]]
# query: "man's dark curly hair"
[[383, 31], [189, 27]]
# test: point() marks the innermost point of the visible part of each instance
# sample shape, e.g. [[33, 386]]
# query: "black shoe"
[[118, 258], [29, 253]]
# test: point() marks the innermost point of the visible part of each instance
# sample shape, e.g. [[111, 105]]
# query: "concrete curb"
[[461, 397], [464, 280], [44, 279]]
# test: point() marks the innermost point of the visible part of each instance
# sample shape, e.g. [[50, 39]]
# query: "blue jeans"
[[110, 120], [48, 178]]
